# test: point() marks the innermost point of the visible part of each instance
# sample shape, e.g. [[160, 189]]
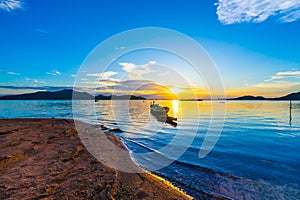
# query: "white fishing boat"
[[156, 110], [161, 114]]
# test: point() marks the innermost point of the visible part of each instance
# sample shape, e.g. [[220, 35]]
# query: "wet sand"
[[45, 159]]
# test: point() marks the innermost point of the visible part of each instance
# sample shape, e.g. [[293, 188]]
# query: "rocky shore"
[[45, 159]]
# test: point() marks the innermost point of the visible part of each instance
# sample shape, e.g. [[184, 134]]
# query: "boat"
[[161, 114], [157, 110]]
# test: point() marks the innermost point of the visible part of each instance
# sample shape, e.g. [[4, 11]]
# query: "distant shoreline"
[[204, 100], [76, 95]]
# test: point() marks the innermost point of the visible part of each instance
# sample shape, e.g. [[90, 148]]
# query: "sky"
[[254, 44]]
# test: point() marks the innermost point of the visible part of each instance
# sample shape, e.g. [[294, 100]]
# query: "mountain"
[[66, 95], [292, 96], [249, 98], [126, 97], [123, 97], [57, 95], [102, 97]]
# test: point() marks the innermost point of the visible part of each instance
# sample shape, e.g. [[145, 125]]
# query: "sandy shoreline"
[[45, 158]]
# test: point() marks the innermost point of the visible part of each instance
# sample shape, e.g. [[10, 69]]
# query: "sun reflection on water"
[[175, 107]]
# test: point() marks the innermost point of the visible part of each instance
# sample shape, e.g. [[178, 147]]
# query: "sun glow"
[[175, 104]]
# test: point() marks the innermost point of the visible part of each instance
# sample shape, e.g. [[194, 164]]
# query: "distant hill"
[[249, 98], [57, 95], [66, 95], [292, 96], [123, 97]]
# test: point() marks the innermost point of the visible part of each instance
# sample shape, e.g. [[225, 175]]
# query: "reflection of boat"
[[161, 114]]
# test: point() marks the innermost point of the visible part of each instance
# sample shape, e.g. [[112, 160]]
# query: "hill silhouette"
[[292, 96], [45, 95], [122, 97], [67, 94]]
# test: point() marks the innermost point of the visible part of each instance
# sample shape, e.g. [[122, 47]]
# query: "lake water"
[[257, 155]]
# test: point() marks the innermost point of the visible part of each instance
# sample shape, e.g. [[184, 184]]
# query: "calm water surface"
[[257, 155]]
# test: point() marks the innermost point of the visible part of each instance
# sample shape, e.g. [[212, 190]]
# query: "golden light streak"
[[175, 104]]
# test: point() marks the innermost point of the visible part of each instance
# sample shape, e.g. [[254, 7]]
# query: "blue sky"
[[255, 44]]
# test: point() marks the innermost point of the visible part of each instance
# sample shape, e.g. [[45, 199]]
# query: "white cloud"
[[104, 75], [120, 48], [54, 73], [291, 17], [108, 82], [11, 5], [34, 80], [128, 67], [281, 80], [276, 85], [13, 73], [102, 79], [284, 75], [238, 11], [134, 71], [289, 73]]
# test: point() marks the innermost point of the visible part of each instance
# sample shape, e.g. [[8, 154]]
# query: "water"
[[257, 155]]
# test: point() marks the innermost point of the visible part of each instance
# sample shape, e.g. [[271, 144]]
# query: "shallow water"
[[257, 155]]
